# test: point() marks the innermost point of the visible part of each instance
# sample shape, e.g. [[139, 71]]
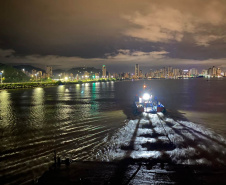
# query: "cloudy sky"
[[117, 33]]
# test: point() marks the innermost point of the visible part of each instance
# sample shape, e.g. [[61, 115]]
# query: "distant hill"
[[77, 70], [56, 72], [81, 70], [28, 68], [13, 75]]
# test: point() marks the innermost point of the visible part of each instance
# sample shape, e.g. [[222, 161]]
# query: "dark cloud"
[[77, 31]]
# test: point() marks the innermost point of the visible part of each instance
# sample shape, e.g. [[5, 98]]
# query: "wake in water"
[[160, 138]]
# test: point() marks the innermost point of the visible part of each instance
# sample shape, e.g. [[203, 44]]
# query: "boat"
[[145, 102]]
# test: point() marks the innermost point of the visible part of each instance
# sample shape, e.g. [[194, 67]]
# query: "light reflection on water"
[[37, 110], [6, 109], [73, 120]]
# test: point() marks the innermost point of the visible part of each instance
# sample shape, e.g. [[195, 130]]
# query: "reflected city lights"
[[63, 109], [6, 113], [38, 108]]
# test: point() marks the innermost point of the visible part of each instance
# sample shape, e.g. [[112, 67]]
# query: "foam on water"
[[155, 136]]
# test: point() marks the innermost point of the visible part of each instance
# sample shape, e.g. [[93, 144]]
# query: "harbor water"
[[91, 121]]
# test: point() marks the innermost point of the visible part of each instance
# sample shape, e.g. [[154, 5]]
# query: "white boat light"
[[146, 96]]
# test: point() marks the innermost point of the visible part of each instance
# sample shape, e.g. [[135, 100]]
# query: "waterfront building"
[[164, 72], [176, 73], [104, 72], [126, 75], [193, 72], [137, 71], [185, 73], [218, 71], [214, 70], [86, 74], [115, 75], [97, 75], [170, 71], [140, 74], [205, 72], [49, 71], [210, 72], [150, 74], [157, 74]]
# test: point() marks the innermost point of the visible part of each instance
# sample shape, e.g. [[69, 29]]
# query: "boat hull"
[[149, 108]]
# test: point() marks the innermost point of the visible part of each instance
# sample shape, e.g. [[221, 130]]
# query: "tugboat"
[[147, 103]]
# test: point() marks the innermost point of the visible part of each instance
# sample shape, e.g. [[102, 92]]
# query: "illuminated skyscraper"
[[140, 74], [170, 71], [193, 72], [218, 71], [104, 72], [214, 71], [176, 72], [137, 71], [204, 72], [210, 72]]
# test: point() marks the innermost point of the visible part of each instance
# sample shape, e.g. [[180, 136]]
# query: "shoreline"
[[25, 85]]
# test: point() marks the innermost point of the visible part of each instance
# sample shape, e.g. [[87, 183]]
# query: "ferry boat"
[[147, 103]]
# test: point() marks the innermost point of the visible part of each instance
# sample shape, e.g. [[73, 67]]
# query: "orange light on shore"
[[144, 86]]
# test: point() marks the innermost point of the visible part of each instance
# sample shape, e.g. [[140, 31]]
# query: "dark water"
[[78, 120]]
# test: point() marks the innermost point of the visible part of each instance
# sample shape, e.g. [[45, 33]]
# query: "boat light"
[[146, 96]]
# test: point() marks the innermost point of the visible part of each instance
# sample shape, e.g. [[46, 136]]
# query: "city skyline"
[[117, 34], [83, 73]]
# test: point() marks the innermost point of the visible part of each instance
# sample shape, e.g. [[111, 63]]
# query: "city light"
[[1, 75]]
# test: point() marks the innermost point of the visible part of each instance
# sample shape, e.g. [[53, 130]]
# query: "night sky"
[[117, 33]]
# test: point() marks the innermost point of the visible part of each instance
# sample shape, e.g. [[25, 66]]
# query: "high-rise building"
[[204, 72], [218, 71], [150, 74], [164, 72], [137, 71], [49, 71], [86, 74], [97, 75], [185, 73], [170, 71], [214, 71], [104, 72], [126, 75], [115, 75], [176, 72], [140, 74], [193, 72], [210, 71]]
